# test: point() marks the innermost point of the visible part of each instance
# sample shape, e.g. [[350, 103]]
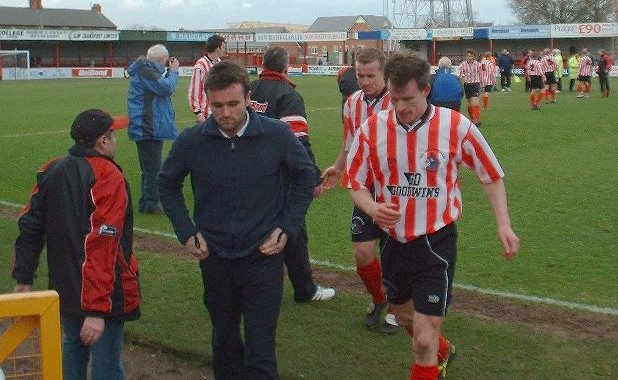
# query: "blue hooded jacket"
[[151, 114], [445, 87]]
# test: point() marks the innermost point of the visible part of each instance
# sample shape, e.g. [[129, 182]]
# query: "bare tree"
[[562, 11]]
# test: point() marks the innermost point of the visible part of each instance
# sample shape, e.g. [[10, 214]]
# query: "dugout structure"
[[14, 64]]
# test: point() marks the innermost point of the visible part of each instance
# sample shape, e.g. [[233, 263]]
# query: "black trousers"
[[604, 82], [505, 79], [296, 257], [149, 154], [247, 289]]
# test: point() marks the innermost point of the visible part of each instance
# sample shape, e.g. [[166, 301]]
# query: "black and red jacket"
[[274, 96], [80, 208]]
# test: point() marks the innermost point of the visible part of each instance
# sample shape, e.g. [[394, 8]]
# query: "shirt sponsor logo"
[[258, 107], [106, 230], [414, 190], [433, 299]]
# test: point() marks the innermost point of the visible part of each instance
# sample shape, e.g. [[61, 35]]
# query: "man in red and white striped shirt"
[[470, 74], [371, 98], [584, 83], [198, 101], [488, 77], [549, 69], [410, 157]]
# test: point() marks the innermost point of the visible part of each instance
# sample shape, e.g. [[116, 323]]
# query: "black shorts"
[[584, 78], [488, 88], [363, 228], [536, 82], [472, 90], [421, 270], [550, 77]]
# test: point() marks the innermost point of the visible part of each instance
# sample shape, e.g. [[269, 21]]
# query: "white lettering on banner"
[[58, 35], [300, 37], [584, 30], [237, 37], [452, 32], [92, 73], [407, 34]]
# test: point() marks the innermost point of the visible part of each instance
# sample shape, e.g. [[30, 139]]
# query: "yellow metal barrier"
[[28, 316]]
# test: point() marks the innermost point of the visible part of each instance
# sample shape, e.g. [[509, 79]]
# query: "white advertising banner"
[[407, 34], [592, 29], [448, 33], [58, 35]]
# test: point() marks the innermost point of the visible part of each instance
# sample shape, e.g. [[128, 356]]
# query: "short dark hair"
[[226, 73], [368, 55], [214, 42], [401, 68], [276, 58]]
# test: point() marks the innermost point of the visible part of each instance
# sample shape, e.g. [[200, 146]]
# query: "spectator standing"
[[559, 68], [573, 63], [604, 65], [198, 100], [418, 147], [274, 95], [346, 80], [446, 90], [81, 211], [244, 211], [151, 117], [505, 64]]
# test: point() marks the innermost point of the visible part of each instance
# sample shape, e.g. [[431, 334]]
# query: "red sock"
[[588, 87], [476, 113], [418, 372], [443, 348], [580, 88], [470, 112], [485, 101], [372, 278], [532, 97]]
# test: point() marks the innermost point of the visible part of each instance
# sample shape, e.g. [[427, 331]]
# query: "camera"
[[169, 61]]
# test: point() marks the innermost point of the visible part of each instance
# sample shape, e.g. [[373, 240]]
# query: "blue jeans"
[[105, 353], [149, 154]]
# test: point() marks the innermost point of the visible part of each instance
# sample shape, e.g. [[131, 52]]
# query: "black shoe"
[[374, 315]]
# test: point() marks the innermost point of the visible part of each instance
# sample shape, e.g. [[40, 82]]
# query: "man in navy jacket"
[[252, 183]]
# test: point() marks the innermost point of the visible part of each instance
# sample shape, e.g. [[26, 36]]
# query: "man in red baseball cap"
[[81, 210]]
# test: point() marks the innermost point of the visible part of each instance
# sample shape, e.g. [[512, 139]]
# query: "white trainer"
[[323, 294]]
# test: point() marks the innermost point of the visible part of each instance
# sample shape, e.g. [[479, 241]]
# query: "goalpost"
[[14, 64]]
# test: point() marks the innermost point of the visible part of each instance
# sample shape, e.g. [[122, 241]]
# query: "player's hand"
[[330, 177], [274, 243], [385, 215], [173, 63], [318, 191], [20, 288], [510, 242], [196, 245], [92, 329]]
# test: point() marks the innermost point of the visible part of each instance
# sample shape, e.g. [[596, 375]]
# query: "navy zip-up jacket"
[[238, 185]]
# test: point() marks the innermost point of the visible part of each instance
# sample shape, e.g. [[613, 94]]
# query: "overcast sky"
[[205, 14]]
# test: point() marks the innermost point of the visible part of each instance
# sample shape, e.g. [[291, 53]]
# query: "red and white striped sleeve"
[[477, 155]]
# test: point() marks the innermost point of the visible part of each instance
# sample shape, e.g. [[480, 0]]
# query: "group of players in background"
[[543, 73]]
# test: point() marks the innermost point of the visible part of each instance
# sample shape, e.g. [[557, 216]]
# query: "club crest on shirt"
[[432, 160]]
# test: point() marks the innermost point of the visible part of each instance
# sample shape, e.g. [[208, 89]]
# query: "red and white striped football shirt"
[[470, 72], [356, 110], [418, 170], [535, 68], [548, 63], [488, 73], [198, 101], [585, 66]]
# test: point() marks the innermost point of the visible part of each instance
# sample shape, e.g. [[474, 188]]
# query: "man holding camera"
[[151, 117]]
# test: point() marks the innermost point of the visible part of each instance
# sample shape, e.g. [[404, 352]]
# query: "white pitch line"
[[521, 297], [34, 134]]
